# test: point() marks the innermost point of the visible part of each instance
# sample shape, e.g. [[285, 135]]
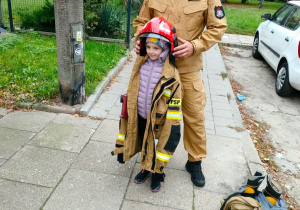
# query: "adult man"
[[189, 17]]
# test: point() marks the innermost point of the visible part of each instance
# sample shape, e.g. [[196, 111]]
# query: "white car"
[[277, 40]]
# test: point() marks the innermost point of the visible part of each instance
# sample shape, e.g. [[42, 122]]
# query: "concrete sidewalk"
[[59, 161]]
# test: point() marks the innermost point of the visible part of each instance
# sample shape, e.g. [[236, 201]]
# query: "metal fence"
[[19, 8], [23, 9]]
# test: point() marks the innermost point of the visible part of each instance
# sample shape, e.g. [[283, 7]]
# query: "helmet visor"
[[154, 36]]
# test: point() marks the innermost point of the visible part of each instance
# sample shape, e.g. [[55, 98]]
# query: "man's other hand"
[[137, 47], [185, 50]]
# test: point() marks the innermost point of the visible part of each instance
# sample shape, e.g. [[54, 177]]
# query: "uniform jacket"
[[189, 17], [150, 73], [162, 133]]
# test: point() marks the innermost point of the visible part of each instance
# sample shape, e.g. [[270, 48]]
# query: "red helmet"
[[160, 28]]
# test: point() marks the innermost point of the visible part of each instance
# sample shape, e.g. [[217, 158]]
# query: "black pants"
[[142, 127]]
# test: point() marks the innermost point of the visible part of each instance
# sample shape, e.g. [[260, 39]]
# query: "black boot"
[[253, 183], [141, 177], [273, 190], [156, 179], [197, 177]]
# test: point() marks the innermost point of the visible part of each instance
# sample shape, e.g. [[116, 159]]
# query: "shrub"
[[107, 21], [40, 20]]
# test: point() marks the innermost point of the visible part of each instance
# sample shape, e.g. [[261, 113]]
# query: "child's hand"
[[185, 50], [137, 47]]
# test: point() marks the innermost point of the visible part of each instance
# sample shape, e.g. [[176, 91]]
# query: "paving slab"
[[207, 200], [227, 131], [209, 131], [98, 112], [208, 115], [221, 106], [177, 185], [222, 113], [22, 196], [28, 121], [88, 190], [219, 98], [40, 166], [117, 86], [113, 117], [107, 131], [82, 122], [97, 157], [209, 124], [227, 177], [3, 112], [225, 122], [133, 205], [229, 149], [216, 87], [115, 110], [2, 161], [12, 140], [208, 108], [63, 137]]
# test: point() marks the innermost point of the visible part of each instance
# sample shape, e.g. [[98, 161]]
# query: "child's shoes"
[[156, 179], [141, 177]]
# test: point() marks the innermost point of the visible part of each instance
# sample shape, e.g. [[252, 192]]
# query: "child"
[[154, 104]]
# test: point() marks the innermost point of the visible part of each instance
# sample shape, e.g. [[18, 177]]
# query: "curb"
[[87, 106], [253, 161]]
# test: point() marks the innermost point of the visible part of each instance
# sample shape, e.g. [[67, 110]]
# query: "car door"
[[267, 32], [283, 35]]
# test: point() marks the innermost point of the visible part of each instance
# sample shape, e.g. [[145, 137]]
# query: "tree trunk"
[[71, 74]]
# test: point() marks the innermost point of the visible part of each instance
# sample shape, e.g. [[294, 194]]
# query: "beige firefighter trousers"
[[193, 103]]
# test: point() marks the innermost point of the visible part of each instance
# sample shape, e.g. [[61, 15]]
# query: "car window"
[[293, 20], [278, 17]]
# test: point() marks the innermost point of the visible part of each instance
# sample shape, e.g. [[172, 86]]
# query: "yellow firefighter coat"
[[162, 133], [189, 17]]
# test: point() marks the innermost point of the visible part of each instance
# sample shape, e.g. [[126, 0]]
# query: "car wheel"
[[282, 85], [255, 52]]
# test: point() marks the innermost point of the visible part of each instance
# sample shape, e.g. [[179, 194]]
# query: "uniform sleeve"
[[143, 17], [170, 132], [215, 24]]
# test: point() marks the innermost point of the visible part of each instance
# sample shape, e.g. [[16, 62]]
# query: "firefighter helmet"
[[158, 27]]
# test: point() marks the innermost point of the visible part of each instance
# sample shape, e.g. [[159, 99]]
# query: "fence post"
[[10, 16], [1, 16], [128, 23]]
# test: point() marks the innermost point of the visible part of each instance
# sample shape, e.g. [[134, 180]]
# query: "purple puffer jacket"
[[149, 75]]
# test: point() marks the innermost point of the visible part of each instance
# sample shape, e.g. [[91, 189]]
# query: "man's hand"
[[137, 47], [185, 50]]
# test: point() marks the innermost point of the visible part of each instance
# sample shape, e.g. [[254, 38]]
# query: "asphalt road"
[[257, 80]]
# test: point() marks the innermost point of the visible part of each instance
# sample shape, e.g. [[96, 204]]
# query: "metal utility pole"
[[69, 26], [11, 22], [128, 23], [1, 16]]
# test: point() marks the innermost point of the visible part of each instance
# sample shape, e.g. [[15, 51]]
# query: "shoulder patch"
[[219, 12]]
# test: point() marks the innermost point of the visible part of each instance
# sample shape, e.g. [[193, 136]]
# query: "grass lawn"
[[28, 66], [245, 18]]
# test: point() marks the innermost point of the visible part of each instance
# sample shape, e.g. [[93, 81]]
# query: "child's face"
[[153, 50]]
